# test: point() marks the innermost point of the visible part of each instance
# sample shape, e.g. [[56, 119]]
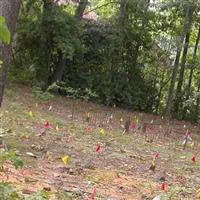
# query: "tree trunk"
[[160, 91], [178, 99], [196, 114], [176, 63], [80, 9], [60, 68], [59, 71], [193, 65], [123, 14], [173, 80], [10, 10], [181, 76], [131, 70], [45, 44]]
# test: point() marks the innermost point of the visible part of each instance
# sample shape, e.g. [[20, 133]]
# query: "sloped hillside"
[[76, 150]]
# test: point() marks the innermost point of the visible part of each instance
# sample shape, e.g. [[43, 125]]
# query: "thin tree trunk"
[[59, 71], [123, 14], [45, 44], [125, 22], [181, 76], [178, 100], [173, 80], [193, 65], [10, 10], [197, 104], [176, 64], [133, 65], [160, 91]]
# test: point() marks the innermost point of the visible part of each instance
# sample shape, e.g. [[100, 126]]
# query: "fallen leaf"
[[26, 191], [157, 198], [47, 189], [57, 128], [37, 147], [31, 154], [88, 129], [198, 193]]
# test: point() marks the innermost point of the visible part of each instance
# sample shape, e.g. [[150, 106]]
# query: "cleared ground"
[[119, 171]]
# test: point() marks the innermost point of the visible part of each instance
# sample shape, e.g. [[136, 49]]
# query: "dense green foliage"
[[8, 193], [124, 58]]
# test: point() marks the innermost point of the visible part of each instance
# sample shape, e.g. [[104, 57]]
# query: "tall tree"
[[123, 15], [194, 57], [196, 110], [178, 99], [9, 9], [45, 43], [62, 61], [176, 62]]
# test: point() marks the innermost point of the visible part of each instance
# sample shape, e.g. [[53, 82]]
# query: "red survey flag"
[[188, 133], [133, 125], [46, 125], [92, 195], [98, 148], [157, 155], [194, 159], [163, 186]]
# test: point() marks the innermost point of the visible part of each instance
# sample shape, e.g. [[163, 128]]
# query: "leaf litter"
[[119, 171]]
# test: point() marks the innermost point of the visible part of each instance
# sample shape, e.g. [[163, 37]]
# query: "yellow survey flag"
[[66, 159], [102, 132], [30, 113]]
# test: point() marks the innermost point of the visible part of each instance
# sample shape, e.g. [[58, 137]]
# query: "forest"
[[141, 55], [120, 77]]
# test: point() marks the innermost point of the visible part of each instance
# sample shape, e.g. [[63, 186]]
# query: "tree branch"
[[106, 4]]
